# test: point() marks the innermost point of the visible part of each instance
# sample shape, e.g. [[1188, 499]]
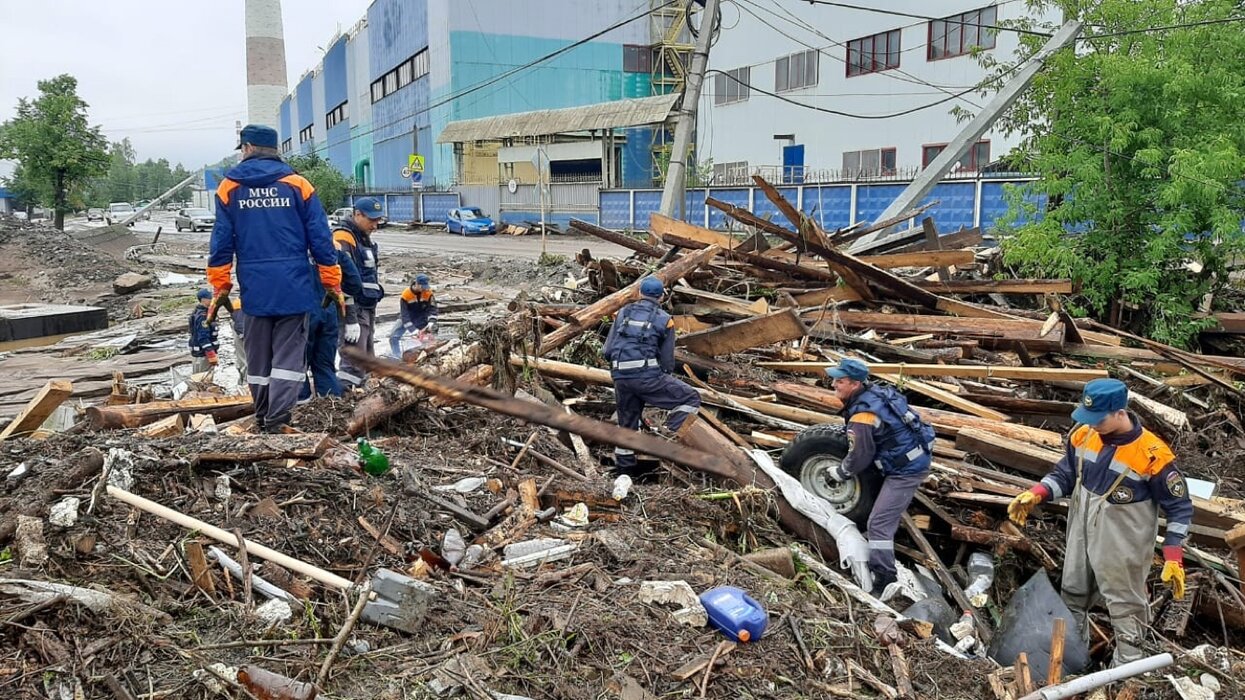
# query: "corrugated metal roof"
[[604, 115]]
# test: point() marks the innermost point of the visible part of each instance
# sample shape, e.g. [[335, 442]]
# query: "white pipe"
[[1084, 684], [326, 577]]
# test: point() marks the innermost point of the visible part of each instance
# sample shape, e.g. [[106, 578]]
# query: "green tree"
[[330, 184], [58, 150], [1137, 138]]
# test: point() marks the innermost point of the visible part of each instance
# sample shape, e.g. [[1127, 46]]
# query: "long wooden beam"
[[1007, 330], [928, 258], [959, 371], [754, 259], [618, 238], [748, 333]]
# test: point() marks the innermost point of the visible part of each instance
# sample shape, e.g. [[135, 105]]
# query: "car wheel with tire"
[[810, 457]]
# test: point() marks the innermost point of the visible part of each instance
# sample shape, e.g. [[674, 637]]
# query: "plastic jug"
[[734, 613], [372, 460]]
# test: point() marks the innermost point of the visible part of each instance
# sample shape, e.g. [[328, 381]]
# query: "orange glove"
[[1020, 507], [334, 295], [220, 298], [211, 357], [1173, 570]]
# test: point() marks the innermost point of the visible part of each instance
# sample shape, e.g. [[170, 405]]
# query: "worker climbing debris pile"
[[556, 503]]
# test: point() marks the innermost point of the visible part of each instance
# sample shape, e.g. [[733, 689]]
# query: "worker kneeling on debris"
[[268, 217], [882, 431], [419, 313], [640, 349], [1118, 475]]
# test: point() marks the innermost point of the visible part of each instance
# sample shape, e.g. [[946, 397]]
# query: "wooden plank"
[[49, 398], [686, 323], [1054, 668], [761, 261], [959, 371], [998, 331], [818, 297], [1022, 456], [726, 303], [932, 258], [660, 225], [1232, 323], [933, 244], [964, 238], [746, 334], [165, 427], [1035, 287]]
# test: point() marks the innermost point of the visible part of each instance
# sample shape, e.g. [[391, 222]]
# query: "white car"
[[195, 219], [118, 212]]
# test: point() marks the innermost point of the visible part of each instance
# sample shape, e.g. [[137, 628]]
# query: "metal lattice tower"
[[672, 52]]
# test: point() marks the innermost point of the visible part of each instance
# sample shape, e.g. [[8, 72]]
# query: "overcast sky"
[[170, 76]]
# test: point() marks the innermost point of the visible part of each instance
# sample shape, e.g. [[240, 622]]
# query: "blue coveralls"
[[202, 338], [322, 333], [883, 432], [640, 349], [418, 308], [360, 307]]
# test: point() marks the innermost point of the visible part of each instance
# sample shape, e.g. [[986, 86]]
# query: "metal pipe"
[[1084, 684]]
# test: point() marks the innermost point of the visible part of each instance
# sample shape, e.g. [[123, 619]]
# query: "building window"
[[305, 135], [799, 70], [287, 145], [957, 35], [404, 74], [975, 159], [637, 59], [731, 86], [730, 173], [873, 53], [871, 163], [335, 116]]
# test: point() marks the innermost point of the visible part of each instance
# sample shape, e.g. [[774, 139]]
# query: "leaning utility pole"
[[676, 172]]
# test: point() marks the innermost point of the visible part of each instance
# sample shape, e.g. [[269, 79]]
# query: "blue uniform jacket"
[[641, 341], [419, 308], [269, 218], [1129, 467], [883, 430], [202, 338], [365, 255]]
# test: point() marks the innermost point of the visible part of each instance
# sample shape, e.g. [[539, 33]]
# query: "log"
[[260, 448], [930, 258], [222, 408], [760, 261], [606, 306], [49, 398], [743, 335], [992, 331], [818, 369], [964, 533], [618, 238], [1036, 287]]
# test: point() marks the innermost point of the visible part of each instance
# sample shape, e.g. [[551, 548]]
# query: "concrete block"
[[23, 321]]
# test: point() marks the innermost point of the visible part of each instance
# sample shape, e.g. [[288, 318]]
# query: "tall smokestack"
[[265, 61]]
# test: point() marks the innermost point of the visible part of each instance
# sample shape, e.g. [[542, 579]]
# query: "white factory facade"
[[851, 61]]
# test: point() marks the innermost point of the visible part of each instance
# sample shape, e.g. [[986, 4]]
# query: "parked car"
[[94, 214], [194, 219], [118, 212], [469, 221], [340, 215]]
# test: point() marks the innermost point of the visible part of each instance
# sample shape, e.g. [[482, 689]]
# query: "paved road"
[[438, 243]]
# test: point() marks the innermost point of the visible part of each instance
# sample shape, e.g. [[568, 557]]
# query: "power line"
[[927, 18], [1148, 30]]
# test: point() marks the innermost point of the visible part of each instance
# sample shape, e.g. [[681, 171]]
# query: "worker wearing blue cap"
[[640, 350], [203, 343], [1118, 476], [418, 308], [353, 236], [882, 432]]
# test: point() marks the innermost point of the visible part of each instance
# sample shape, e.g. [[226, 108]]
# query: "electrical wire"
[[927, 18], [1148, 30]]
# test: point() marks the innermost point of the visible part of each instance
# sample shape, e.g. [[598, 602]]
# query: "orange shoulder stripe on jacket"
[[865, 417], [301, 183], [407, 295], [341, 235], [225, 189]]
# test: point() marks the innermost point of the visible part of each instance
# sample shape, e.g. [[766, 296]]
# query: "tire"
[[816, 449]]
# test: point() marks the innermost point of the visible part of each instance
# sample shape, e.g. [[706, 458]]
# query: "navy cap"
[[652, 287], [257, 135], [204, 294], [851, 368], [1101, 397], [370, 206], [421, 279]]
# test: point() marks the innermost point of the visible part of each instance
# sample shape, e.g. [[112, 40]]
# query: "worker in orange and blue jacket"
[[353, 236], [269, 219], [203, 341], [418, 309], [1119, 476]]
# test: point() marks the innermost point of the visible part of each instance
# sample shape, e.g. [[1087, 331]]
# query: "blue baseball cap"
[[652, 287], [850, 368], [421, 279], [257, 135], [370, 207], [1100, 398], [204, 294]]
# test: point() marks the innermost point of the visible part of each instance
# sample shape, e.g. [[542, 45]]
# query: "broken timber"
[[742, 335], [51, 396], [960, 371], [616, 238], [222, 408]]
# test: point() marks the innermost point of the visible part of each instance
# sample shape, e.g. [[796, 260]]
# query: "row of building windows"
[[335, 116], [874, 162], [287, 146], [404, 74], [305, 134], [948, 37]]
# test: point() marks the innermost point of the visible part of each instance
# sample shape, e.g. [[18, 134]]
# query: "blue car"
[[469, 221]]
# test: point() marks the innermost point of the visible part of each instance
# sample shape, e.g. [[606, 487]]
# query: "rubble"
[[496, 558]]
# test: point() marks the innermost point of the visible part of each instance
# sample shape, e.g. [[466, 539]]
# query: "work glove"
[[211, 357], [220, 299], [431, 327], [352, 332], [1020, 507], [334, 295], [1173, 570], [837, 474]]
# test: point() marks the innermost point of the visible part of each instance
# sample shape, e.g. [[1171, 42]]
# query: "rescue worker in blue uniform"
[[419, 312], [353, 236], [322, 338], [882, 433], [640, 350], [1118, 476], [269, 218], [203, 342]]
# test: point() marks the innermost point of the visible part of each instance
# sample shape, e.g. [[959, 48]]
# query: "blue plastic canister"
[[734, 613]]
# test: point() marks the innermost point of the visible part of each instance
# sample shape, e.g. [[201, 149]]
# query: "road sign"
[[417, 180], [406, 172], [415, 162]]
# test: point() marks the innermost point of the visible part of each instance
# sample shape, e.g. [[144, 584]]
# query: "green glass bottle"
[[372, 460]]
